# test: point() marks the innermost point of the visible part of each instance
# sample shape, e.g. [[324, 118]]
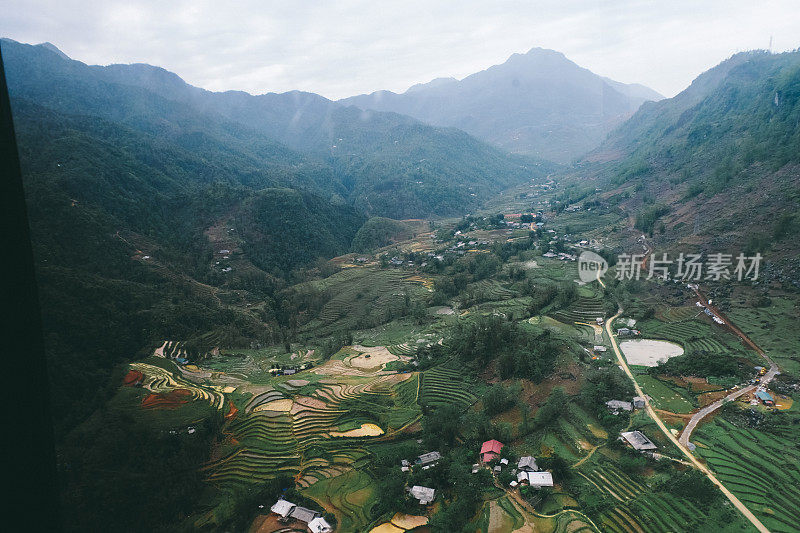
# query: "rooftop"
[[425, 495], [527, 463], [638, 440], [303, 514], [430, 457], [319, 525], [282, 507], [536, 479], [491, 446]]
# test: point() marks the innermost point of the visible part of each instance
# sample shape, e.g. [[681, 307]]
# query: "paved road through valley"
[[765, 379]]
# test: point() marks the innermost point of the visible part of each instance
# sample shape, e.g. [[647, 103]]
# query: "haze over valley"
[[528, 298]]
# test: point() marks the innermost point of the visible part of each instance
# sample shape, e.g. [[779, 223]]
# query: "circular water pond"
[[649, 352]]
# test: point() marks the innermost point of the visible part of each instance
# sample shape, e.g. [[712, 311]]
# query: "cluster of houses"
[[527, 472], [710, 313], [426, 460], [628, 332], [424, 495], [563, 256], [288, 371], [289, 512], [617, 406]]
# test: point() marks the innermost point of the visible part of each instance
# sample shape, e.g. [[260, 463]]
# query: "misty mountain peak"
[[538, 103], [53, 48]]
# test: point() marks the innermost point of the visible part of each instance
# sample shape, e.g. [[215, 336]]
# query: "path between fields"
[[664, 429], [765, 379], [519, 500]]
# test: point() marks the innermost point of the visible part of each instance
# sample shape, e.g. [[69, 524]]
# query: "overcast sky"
[[340, 48]]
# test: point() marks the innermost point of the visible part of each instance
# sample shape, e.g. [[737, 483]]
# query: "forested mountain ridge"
[[538, 103], [718, 164], [331, 149]]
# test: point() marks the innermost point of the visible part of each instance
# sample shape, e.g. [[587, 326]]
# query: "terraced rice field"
[[160, 380], [442, 386], [312, 436], [638, 508], [403, 350], [358, 295], [583, 309], [490, 290], [693, 335], [678, 314], [760, 468], [349, 496], [773, 328]]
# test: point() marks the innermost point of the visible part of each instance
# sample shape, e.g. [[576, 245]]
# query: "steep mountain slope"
[[341, 152], [118, 224], [718, 165], [539, 103]]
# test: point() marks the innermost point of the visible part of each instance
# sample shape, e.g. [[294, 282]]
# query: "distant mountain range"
[[382, 163], [539, 104]]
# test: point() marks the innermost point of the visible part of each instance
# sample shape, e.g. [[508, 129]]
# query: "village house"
[[765, 398], [302, 514], [282, 508], [490, 450], [535, 479], [527, 464], [425, 495], [319, 525], [638, 402], [638, 441], [623, 332], [615, 406], [428, 459]]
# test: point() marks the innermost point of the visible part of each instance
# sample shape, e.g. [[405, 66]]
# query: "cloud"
[[352, 46]]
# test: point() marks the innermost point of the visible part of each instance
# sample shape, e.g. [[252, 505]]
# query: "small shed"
[[616, 406], [429, 458], [319, 525]]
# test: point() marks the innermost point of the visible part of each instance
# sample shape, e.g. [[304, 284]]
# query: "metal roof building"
[[527, 463], [303, 514], [764, 396], [536, 479], [638, 440], [619, 405], [425, 495], [282, 508], [428, 458]]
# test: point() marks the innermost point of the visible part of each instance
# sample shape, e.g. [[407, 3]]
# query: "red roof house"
[[490, 450]]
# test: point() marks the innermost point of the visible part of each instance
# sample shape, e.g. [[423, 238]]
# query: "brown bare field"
[[167, 400]]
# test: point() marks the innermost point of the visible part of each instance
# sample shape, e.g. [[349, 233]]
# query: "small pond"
[[649, 352]]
